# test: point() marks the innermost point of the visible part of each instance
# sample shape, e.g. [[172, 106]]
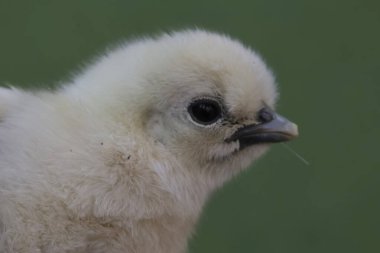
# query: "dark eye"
[[205, 111]]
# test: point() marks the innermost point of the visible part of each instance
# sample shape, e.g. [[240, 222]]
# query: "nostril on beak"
[[265, 115]]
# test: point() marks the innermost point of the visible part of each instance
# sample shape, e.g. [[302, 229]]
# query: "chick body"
[[112, 161]]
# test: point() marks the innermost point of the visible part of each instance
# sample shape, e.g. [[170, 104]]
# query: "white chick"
[[123, 158]]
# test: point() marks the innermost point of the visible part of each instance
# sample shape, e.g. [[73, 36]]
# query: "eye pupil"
[[205, 111]]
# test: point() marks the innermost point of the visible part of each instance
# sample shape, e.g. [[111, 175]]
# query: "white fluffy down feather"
[[123, 158]]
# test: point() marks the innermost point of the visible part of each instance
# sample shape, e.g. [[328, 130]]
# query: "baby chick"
[[123, 158]]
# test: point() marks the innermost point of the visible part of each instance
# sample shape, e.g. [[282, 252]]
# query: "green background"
[[326, 57]]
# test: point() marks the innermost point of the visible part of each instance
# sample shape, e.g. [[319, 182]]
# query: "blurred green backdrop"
[[326, 57]]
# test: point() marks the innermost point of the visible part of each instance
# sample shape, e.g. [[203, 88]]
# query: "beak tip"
[[292, 129]]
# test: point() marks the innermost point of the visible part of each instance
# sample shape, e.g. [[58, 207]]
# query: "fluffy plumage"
[[114, 161]]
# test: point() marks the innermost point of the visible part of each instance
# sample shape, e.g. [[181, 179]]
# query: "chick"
[[123, 158]]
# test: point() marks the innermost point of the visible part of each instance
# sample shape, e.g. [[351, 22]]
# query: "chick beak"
[[275, 129]]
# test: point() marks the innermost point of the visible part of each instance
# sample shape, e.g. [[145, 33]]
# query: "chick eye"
[[205, 111]]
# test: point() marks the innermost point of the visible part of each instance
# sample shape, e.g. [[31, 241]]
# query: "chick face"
[[203, 97], [213, 102]]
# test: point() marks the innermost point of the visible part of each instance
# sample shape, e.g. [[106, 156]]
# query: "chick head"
[[204, 97]]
